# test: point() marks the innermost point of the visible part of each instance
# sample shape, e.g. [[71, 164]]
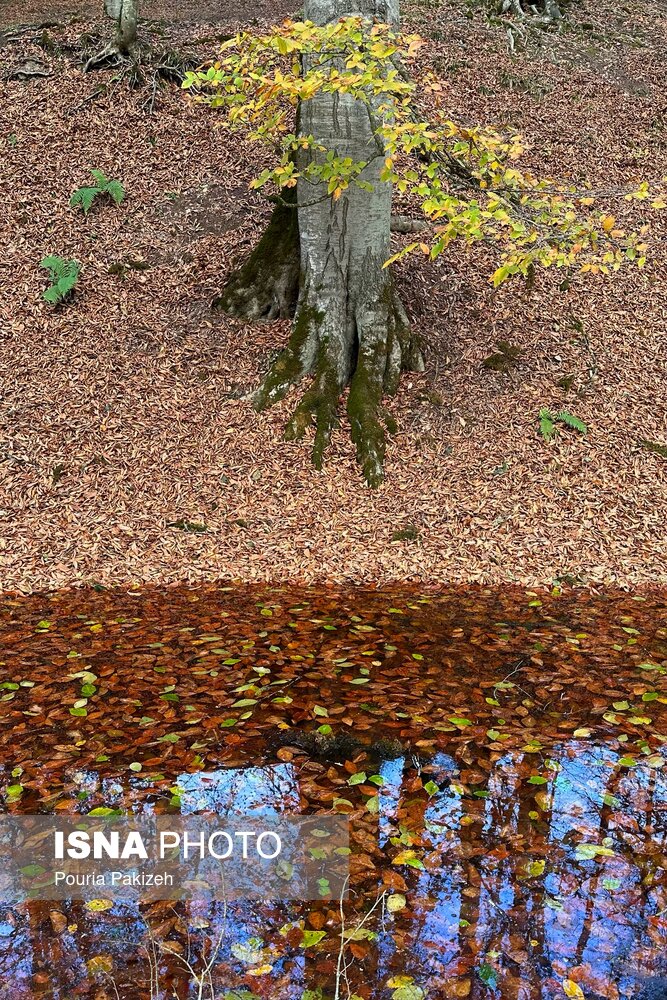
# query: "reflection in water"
[[525, 886], [468, 734], [241, 790]]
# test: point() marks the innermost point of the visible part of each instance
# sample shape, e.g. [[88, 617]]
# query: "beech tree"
[[333, 100], [126, 14]]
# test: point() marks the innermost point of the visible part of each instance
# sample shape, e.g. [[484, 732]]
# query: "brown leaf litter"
[[129, 448]]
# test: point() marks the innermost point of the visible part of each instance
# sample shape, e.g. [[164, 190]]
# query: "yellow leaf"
[[572, 990], [262, 970], [98, 905], [395, 902], [608, 223], [100, 963]]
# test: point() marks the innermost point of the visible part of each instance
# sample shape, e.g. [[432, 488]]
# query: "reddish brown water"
[[519, 800]]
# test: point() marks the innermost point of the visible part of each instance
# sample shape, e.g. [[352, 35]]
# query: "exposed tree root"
[[267, 285], [29, 70], [108, 58], [142, 65], [368, 353], [547, 11]]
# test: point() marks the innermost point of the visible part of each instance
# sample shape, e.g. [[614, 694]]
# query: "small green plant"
[[183, 525], [85, 196], [64, 275], [548, 422]]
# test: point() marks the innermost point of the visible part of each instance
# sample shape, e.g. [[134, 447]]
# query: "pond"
[[499, 753]]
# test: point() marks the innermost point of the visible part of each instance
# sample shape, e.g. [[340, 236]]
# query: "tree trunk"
[[267, 286], [126, 25], [350, 326], [125, 13]]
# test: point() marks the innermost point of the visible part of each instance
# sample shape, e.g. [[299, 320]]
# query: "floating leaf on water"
[[488, 975], [311, 938], [251, 952], [32, 871], [408, 858], [100, 963], [98, 905], [588, 852], [261, 970], [359, 934], [396, 902], [408, 992]]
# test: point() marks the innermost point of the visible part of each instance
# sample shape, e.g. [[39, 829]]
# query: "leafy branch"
[[464, 176]]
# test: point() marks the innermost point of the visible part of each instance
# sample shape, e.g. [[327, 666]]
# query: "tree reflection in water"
[[525, 886]]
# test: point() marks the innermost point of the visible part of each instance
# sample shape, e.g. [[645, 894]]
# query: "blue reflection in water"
[[592, 913], [507, 886], [270, 790]]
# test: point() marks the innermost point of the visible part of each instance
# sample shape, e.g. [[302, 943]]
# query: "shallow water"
[[519, 801]]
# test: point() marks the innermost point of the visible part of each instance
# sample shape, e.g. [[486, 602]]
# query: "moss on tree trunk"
[[266, 287]]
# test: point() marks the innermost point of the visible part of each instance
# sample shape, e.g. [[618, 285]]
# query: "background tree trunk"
[[126, 25], [350, 326], [125, 13]]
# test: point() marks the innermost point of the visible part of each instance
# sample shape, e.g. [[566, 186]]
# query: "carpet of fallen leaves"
[[128, 446], [500, 755]]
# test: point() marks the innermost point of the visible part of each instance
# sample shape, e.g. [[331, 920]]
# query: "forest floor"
[[129, 448]]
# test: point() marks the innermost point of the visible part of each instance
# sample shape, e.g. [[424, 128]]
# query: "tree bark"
[[125, 13], [267, 286], [350, 327], [126, 25]]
